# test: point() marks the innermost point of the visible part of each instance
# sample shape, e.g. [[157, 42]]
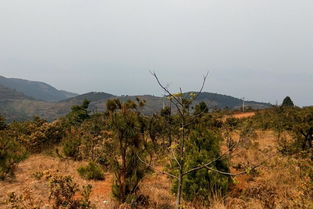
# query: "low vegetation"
[[187, 158], [11, 153], [91, 172]]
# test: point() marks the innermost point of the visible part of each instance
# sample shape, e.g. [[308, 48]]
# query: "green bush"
[[202, 147], [86, 143], [287, 102], [78, 114], [232, 122], [127, 128], [3, 124], [91, 172], [71, 147], [37, 135], [11, 153]]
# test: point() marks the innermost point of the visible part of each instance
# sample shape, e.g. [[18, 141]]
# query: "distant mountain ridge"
[[224, 101], [17, 103], [37, 90], [91, 96]]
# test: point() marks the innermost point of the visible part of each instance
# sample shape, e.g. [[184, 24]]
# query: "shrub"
[[203, 146], [64, 194], [91, 171], [22, 201], [38, 175], [3, 124], [287, 102], [63, 190], [71, 146], [11, 153], [88, 143], [125, 124], [232, 122], [37, 136], [78, 114]]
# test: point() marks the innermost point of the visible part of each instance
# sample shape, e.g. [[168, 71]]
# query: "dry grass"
[[239, 115], [39, 188], [281, 183], [158, 188], [278, 184]]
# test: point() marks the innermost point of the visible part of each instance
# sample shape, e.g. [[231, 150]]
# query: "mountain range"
[[22, 100]]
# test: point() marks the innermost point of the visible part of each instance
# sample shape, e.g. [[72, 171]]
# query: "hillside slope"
[[10, 94], [36, 90]]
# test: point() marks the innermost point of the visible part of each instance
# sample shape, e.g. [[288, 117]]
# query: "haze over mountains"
[[22, 99]]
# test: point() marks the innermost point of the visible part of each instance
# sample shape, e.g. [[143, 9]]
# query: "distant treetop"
[[287, 102]]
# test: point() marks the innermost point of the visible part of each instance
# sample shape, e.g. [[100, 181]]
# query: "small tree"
[[167, 123], [303, 127], [287, 102], [3, 124], [71, 144], [202, 184], [187, 164], [124, 122], [201, 108], [79, 113], [154, 129]]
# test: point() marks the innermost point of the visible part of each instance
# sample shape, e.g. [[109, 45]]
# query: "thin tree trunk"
[[181, 168], [179, 190]]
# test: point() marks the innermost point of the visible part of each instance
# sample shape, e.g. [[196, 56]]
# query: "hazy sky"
[[258, 49]]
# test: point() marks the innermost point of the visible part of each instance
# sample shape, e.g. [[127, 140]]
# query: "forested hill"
[[37, 90], [21, 100]]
